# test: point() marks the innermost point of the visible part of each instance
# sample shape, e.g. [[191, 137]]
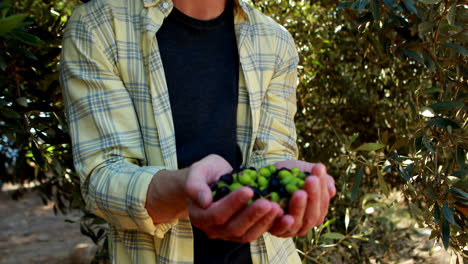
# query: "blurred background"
[[381, 101]]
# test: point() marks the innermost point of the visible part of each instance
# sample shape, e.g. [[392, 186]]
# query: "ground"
[[32, 233]]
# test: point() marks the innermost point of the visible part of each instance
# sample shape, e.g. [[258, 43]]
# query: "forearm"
[[166, 200]]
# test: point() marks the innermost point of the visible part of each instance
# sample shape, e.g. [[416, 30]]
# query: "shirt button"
[[149, 27], [165, 5]]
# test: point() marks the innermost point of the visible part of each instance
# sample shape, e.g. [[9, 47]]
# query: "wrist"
[[166, 198]]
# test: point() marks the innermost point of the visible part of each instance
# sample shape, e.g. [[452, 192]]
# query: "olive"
[[295, 171], [271, 168], [257, 193], [274, 197], [275, 184], [235, 186], [265, 172], [221, 193], [227, 178], [244, 179], [262, 181], [291, 188], [283, 174]]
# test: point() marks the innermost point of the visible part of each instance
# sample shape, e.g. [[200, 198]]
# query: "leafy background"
[[381, 101]]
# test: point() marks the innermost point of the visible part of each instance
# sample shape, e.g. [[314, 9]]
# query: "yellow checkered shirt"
[[119, 115]]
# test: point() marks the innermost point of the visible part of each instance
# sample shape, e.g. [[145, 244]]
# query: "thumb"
[[198, 191]]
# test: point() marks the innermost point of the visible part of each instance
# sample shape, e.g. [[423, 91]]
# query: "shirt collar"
[[167, 5]]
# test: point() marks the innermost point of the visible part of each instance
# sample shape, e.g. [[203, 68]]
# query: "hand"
[[308, 207], [228, 218]]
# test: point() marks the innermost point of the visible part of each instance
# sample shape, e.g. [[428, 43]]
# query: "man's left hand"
[[307, 207]]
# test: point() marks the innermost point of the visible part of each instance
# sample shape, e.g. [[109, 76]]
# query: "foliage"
[[381, 101], [35, 145]]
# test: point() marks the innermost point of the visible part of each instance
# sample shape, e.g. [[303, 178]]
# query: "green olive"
[[291, 188], [262, 181], [283, 174], [295, 171], [234, 186], [301, 176], [244, 179], [271, 168], [265, 172], [300, 184], [274, 197]]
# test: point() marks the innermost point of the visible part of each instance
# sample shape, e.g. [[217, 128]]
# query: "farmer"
[[162, 98]]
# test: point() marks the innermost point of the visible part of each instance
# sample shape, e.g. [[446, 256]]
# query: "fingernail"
[[203, 199]]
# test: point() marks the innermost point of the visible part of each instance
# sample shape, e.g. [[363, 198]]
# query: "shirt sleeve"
[[276, 136], [106, 138]]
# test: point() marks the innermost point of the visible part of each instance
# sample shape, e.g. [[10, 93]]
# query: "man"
[[133, 87]]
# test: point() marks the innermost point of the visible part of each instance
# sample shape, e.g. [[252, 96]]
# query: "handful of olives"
[[276, 185]]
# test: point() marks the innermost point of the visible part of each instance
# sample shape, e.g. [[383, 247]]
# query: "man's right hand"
[[227, 218]]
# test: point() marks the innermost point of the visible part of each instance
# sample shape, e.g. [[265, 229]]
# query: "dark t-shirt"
[[201, 65]]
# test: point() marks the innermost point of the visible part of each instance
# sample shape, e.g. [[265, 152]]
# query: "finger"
[[221, 211], [297, 208], [260, 226], [200, 174], [324, 198], [240, 223], [281, 225], [312, 214], [331, 186], [319, 169]]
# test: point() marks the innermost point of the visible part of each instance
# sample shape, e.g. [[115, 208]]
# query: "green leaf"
[[448, 213], [10, 113], [460, 49], [428, 61], [344, 4], [40, 161], [451, 13], [460, 173], [10, 23], [27, 38], [432, 90], [370, 147], [413, 54], [443, 123], [460, 157], [436, 213], [403, 173], [424, 28], [445, 234], [445, 105], [352, 139], [375, 9], [356, 183], [390, 3], [382, 184], [427, 144], [362, 4], [459, 192], [430, 193], [410, 5], [333, 235], [429, 2]]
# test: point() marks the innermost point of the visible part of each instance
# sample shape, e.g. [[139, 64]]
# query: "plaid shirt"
[[118, 109]]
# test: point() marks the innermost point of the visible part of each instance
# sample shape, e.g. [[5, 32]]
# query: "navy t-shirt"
[[201, 65]]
